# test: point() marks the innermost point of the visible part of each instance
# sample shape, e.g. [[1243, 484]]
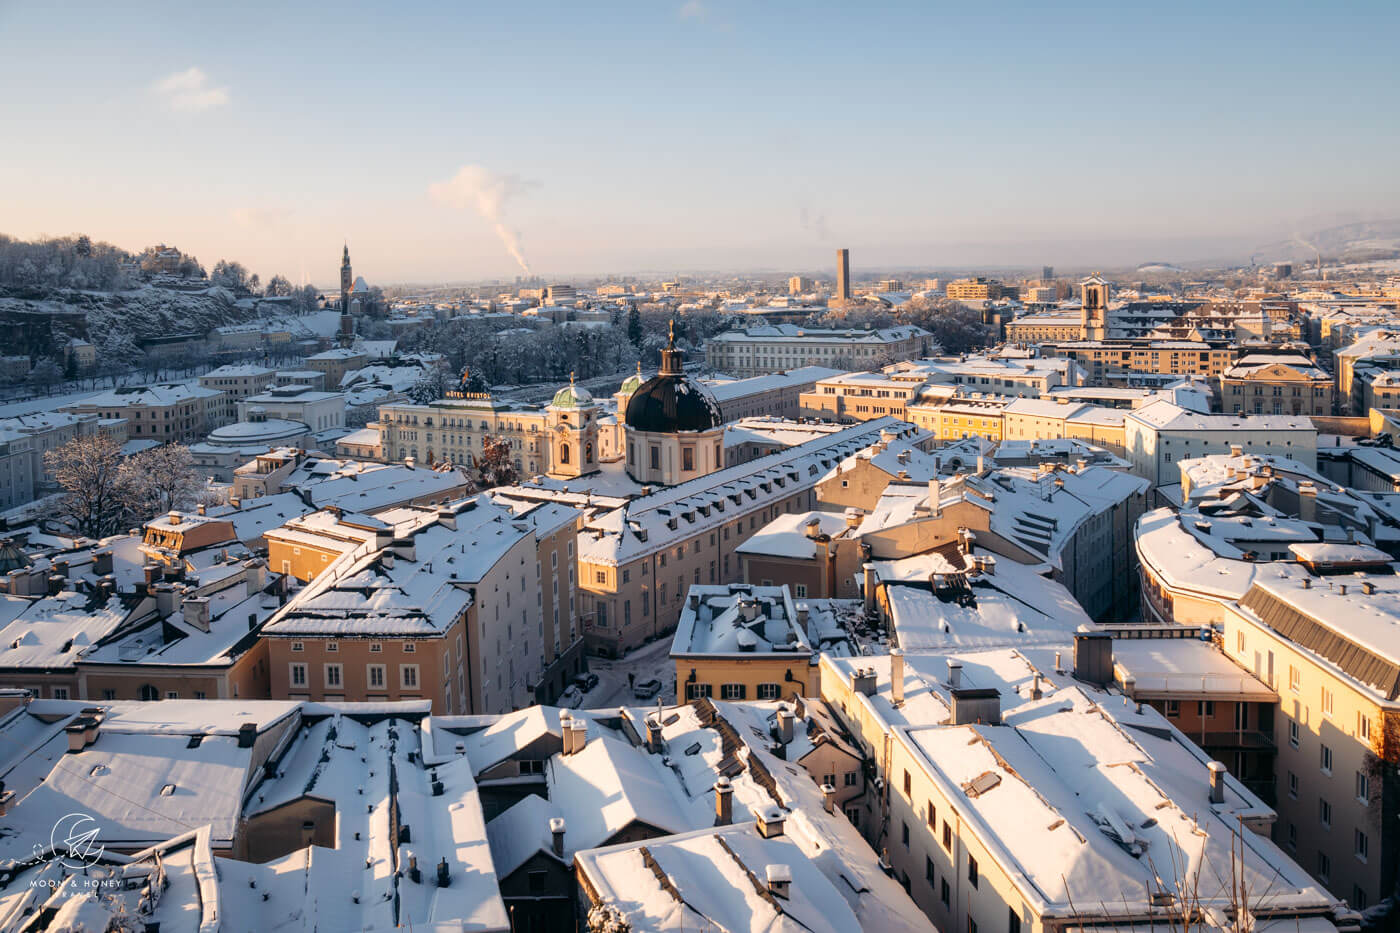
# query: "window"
[[376, 675], [600, 576], [1295, 678], [409, 647], [731, 691], [1205, 708], [1293, 732], [851, 778], [853, 816], [60, 693], [768, 691], [1363, 725], [1326, 702], [932, 815], [1324, 867], [298, 646], [943, 892], [655, 457], [972, 871], [904, 835], [947, 836], [332, 646], [800, 590], [1173, 708], [537, 878], [298, 675], [1293, 785], [1324, 812], [1363, 787], [1013, 921], [1239, 639], [1326, 760], [333, 676], [1358, 897], [109, 694], [408, 676], [697, 691], [928, 870], [687, 458], [375, 647], [1361, 846], [1292, 836]]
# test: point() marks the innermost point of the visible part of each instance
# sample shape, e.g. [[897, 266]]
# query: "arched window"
[[149, 692], [564, 454], [588, 453]]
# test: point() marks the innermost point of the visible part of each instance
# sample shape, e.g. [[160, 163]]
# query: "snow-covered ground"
[[648, 662]]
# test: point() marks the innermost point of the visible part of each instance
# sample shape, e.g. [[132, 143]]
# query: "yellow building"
[[742, 642]]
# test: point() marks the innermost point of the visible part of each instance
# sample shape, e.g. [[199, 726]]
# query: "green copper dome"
[[571, 396]]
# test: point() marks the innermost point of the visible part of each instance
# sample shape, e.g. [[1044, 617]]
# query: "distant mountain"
[[1353, 242]]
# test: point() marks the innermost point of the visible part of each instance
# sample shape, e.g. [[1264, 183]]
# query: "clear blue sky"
[[703, 134]]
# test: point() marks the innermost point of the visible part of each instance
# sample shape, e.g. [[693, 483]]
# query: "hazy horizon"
[[598, 140]]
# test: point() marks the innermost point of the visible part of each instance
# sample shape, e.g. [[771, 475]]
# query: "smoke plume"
[[480, 189]]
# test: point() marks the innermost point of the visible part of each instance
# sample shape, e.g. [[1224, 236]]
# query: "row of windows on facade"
[[334, 675], [770, 691], [1361, 849]]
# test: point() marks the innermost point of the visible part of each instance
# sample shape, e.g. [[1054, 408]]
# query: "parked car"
[[646, 689], [571, 698], [586, 681]]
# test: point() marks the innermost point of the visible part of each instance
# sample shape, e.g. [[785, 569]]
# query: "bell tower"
[[346, 279], [1093, 308]]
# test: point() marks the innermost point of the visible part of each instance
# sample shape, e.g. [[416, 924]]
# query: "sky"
[[441, 139]]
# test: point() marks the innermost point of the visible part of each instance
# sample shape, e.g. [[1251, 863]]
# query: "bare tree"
[[496, 466], [164, 478], [98, 485]]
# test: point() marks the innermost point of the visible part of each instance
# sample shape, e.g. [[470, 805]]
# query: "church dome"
[[670, 402], [571, 396], [633, 382]]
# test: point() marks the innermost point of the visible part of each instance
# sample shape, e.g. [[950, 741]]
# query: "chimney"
[[1236, 450], [255, 575], [863, 680], [580, 730], [61, 567], [897, 676], [869, 587], [56, 581], [785, 725], [565, 734], [76, 739], [1307, 583], [447, 518], [1217, 782], [165, 598], [812, 528], [556, 832], [247, 734], [1036, 692], [1093, 657], [935, 496], [954, 674], [654, 740], [102, 562], [195, 609], [724, 802], [444, 878], [987, 564], [770, 821], [828, 798], [1059, 666], [853, 518], [976, 704], [779, 879]]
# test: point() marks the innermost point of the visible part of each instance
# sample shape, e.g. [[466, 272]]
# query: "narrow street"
[[647, 662]]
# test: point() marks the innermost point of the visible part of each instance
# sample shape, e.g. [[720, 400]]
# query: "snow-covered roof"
[[1173, 668], [741, 620], [159, 395], [1163, 415], [786, 535]]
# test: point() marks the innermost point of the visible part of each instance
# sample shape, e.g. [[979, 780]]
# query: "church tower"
[[346, 279], [346, 337], [1093, 308]]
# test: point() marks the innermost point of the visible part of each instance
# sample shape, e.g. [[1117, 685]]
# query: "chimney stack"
[[195, 609], [1036, 692], [828, 798], [954, 674], [813, 528], [724, 802], [1093, 657], [785, 725], [1217, 782], [863, 680], [102, 562], [897, 676], [247, 734], [770, 821], [654, 741], [976, 704], [580, 731], [779, 879], [935, 496], [556, 832]]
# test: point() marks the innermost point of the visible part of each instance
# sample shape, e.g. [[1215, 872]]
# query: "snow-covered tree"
[[496, 466], [164, 478], [607, 918], [278, 287], [98, 486]]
